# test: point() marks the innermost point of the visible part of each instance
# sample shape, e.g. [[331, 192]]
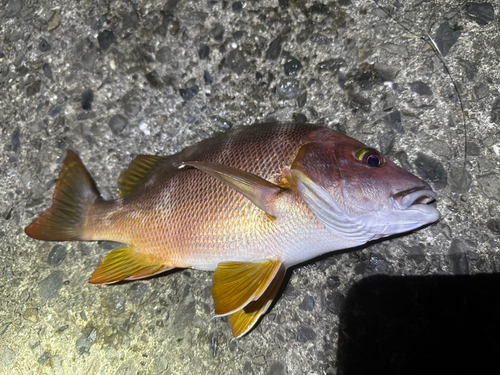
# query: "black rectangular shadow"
[[421, 325]]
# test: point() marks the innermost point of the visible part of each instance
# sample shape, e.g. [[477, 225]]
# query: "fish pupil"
[[373, 161]]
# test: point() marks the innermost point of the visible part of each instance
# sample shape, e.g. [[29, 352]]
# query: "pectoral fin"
[[236, 284], [125, 264], [260, 192], [243, 320]]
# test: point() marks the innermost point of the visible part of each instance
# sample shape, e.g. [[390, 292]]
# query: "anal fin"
[[243, 320], [236, 284], [125, 264]]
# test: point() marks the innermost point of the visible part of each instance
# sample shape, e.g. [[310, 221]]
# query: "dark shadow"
[[421, 325]]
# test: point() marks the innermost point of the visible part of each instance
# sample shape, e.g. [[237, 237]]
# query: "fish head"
[[359, 193]]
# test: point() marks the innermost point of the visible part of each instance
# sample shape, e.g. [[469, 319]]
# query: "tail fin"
[[75, 192]]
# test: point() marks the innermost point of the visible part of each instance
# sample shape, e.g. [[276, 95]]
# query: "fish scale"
[[246, 204]]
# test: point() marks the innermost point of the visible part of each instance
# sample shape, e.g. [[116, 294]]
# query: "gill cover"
[[314, 167]]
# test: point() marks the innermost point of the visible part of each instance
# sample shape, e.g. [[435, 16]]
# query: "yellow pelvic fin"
[[236, 284], [260, 192], [125, 264], [243, 320], [139, 171]]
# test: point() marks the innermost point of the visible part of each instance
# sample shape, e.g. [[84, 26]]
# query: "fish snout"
[[413, 197]]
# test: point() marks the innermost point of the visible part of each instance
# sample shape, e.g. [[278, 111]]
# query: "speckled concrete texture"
[[112, 79]]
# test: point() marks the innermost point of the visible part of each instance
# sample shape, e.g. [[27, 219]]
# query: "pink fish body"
[[246, 204]]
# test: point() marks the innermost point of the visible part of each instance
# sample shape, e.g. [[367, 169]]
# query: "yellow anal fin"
[[259, 191], [139, 171], [124, 264], [243, 320], [236, 284]]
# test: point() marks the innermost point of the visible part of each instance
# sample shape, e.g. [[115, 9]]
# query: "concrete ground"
[[112, 79]]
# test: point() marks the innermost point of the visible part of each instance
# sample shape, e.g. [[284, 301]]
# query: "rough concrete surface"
[[112, 79]]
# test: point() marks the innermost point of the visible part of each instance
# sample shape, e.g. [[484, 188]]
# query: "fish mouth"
[[414, 199]]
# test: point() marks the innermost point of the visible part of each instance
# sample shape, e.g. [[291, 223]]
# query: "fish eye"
[[369, 156]]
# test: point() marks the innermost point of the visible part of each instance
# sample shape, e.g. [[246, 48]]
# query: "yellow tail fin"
[[75, 192]]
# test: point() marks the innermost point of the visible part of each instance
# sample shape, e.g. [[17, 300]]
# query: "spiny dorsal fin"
[[260, 192], [125, 263], [139, 171], [243, 320], [236, 284]]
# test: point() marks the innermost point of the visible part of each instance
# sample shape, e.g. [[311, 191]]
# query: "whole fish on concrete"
[[246, 204]]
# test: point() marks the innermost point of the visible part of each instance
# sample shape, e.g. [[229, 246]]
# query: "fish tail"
[[73, 198]]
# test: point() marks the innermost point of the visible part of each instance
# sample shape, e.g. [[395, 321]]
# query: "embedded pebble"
[[12, 8], [457, 253], [482, 13], [137, 292], [292, 66], [207, 78], [204, 52], [54, 110], [393, 119], [54, 21], [356, 101], [87, 99], [446, 37], [44, 357], [494, 226], [331, 65], [421, 88], [473, 149], [105, 39], [170, 5], [154, 79], [431, 170], [47, 70], [277, 368], [274, 50], [302, 99], [88, 59], [132, 104], [116, 303], [185, 313], [50, 286], [288, 89], [307, 303], [44, 46], [218, 32], [299, 117], [305, 334], [34, 88], [189, 93], [495, 111], [57, 255], [237, 6], [31, 314], [86, 340], [460, 180], [14, 140], [386, 142], [236, 61], [163, 54], [117, 123], [402, 158], [8, 357]]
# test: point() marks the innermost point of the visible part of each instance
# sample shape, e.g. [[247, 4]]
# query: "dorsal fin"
[[139, 171]]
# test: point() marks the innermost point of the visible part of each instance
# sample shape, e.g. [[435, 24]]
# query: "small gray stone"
[[137, 292], [277, 368], [116, 303], [117, 123], [288, 88], [105, 39], [236, 61], [8, 357], [274, 50], [305, 334], [494, 226], [34, 88], [473, 149], [207, 78], [87, 99], [387, 142], [47, 70], [299, 117], [460, 180], [170, 5], [402, 157], [188, 93], [292, 66], [163, 54], [307, 303], [431, 170], [12, 8], [50, 286], [44, 46], [86, 340], [482, 13], [393, 119], [88, 59], [446, 37], [331, 65], [421, 88], [185, 313], [14, 140], [204, 52], [154, 79], [218, 32], [57, 255], [44, 357], [458, 257], [54, 111], [131, 104]]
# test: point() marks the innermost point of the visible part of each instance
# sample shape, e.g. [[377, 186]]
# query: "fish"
[[246, 204]]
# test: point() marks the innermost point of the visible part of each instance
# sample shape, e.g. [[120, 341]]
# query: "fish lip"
[[415, 198]]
